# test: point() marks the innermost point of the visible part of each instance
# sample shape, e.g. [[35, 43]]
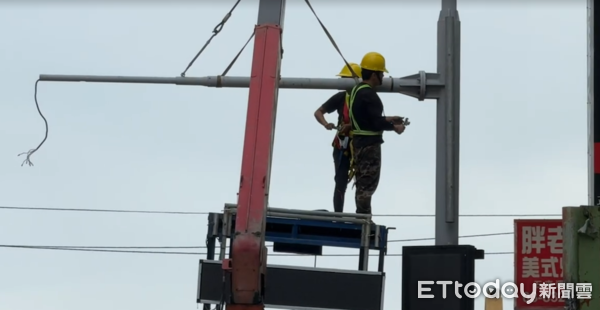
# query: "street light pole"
[[448, 126], [593, 111], [443, 86]]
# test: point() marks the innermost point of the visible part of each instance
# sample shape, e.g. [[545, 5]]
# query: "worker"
[[368, 124], [341, 141]]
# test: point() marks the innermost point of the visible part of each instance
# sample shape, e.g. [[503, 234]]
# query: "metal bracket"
[[421, 86], [588, 229]]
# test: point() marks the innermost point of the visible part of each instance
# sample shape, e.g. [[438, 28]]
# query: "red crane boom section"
[[249, 259]]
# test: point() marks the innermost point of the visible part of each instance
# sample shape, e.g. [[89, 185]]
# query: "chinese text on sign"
[[538, 259]]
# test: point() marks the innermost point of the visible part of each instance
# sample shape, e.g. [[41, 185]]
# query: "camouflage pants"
[[367, 162]]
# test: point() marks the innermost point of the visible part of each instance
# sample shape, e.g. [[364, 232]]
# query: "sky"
[[178, 148]]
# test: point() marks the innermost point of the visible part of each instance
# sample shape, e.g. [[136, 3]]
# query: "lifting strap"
[[356, 131]]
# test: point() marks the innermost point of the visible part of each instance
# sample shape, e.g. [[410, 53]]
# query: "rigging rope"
[[30, 152], [238, 55], [354, 75], [215, 32]]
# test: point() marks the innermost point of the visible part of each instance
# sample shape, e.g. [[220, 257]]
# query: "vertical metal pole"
[[448, 126], [593, 113], [211, 236], [210, 246], [361, 259], [382, 253], [225, 235], [210, 255]]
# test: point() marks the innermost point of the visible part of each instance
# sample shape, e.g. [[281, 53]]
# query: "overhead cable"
[[206, 213], [186, 253], [181, 247]]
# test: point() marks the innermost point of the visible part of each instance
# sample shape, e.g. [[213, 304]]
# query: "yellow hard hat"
[[373, 61], [346, 72]]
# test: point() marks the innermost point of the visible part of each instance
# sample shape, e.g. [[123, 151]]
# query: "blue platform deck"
[[321, 233]]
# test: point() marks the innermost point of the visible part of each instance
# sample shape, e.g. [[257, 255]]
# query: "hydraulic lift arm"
[[248, 251]]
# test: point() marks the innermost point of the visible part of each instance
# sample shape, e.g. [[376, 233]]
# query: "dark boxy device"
[[438, 263], [290, 287]]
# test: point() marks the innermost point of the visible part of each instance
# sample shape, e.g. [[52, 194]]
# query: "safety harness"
[[341, 140], [356, 131]]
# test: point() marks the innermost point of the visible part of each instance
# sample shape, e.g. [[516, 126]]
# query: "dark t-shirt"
[[336, 104], [367, 110]]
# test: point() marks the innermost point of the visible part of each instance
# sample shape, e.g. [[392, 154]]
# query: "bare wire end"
[[27, 160]]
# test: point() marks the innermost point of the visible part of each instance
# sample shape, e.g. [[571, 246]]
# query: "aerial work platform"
[[302, 232], [307, 232]]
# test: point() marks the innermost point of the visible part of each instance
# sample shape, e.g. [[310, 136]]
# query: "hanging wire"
[[215, 32], [28, 154]]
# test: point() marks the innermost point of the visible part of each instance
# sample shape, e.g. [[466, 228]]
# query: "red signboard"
[[538, 259]]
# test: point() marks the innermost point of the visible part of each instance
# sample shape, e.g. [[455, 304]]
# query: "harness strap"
[[355, 128]]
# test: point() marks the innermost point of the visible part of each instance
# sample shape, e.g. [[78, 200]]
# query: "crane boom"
[[248, 251]]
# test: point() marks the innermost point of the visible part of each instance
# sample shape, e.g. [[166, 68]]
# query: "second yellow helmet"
[[373, 61], [346, 72]]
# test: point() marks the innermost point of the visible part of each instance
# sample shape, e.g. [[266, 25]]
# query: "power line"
[[470, 215], [104, 210], [204, 247], [93, 250], [206, 213], [57, 248], [465, 236], [116, 247]]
